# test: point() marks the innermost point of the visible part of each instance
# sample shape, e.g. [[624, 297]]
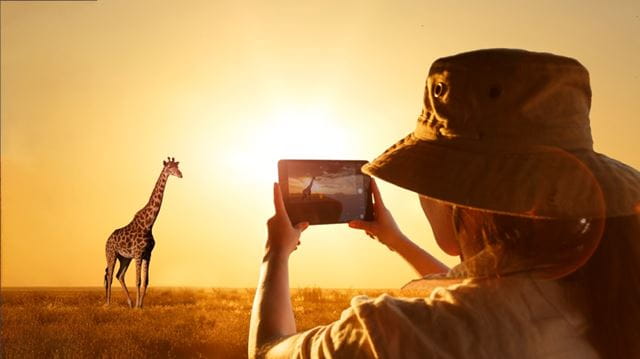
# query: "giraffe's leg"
[[138, 265], [145, 277], [108, 275], [122, 270]]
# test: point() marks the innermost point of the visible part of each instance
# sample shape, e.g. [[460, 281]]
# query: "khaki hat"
[[508, 131]]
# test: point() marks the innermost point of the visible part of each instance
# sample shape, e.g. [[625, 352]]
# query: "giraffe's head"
[[171, 167]]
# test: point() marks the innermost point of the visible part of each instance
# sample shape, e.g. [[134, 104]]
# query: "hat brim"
[[538, 182]]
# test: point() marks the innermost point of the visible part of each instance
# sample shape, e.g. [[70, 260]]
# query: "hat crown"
[[507, 131], [508, 97]]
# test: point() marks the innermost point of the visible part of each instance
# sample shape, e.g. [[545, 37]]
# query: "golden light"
[[90, 107], [306, 131]]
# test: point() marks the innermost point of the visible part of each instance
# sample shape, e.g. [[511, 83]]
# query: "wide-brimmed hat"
[[508, 131]]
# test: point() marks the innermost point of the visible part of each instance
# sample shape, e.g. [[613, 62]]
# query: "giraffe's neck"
[[146, 217]]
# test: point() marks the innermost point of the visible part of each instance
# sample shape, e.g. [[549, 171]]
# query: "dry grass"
[[175, 323]]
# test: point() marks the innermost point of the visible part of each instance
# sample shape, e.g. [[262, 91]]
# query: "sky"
[[95, 95]]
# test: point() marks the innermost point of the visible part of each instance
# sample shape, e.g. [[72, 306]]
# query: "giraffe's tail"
[[106, 273]]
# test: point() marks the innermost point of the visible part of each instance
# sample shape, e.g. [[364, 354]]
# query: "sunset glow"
[[95, 95], [293, 131]]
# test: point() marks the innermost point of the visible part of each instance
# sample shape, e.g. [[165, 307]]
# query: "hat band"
[[568, 138]]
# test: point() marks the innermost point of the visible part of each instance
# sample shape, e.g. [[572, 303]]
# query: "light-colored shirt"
[[513, 317]]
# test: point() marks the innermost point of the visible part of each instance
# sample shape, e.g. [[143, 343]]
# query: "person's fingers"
[[278, 202], [377, 197]]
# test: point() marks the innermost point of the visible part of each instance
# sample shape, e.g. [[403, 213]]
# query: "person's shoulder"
[[450, 294], [494, 317], [416, 326]]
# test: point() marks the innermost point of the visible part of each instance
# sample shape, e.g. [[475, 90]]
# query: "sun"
[[292, 132]]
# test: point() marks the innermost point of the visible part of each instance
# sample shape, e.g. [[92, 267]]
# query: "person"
[[547, 230]]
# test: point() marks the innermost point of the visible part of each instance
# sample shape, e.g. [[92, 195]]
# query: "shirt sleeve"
[[344, 338]]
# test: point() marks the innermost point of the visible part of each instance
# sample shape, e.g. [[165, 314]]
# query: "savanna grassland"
[[175, 323]]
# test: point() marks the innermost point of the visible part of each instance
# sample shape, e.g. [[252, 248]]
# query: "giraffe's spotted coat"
[[135, 240]]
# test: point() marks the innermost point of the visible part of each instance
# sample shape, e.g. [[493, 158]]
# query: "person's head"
[[503, 137]]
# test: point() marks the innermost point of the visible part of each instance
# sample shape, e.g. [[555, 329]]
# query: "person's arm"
[[385, 229], [423, 262], [272, 315]]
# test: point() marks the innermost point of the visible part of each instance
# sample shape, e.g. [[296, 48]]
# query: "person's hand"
[[383, 227], [283, 237]]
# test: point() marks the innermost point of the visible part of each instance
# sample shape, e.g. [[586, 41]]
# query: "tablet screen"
[[325, 191]]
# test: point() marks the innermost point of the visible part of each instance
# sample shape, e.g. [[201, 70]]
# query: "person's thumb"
[[301, 226], [358, 224]]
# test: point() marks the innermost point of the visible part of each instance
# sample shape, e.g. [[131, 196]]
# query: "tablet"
[[325, 191]]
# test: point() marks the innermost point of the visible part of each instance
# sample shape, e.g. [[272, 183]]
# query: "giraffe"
[[306, 193], [135, 240]]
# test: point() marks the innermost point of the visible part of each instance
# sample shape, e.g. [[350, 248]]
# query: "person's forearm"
[[423, 262], [272, 315]]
